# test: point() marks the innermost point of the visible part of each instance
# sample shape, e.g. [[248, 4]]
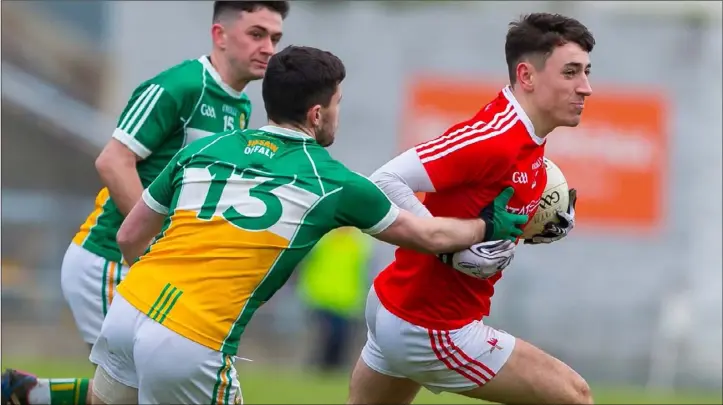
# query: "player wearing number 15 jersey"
[[189, 101], [237, 212]]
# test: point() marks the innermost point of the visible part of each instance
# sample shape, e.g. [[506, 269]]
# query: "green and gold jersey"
[[243, 209], [184, 103]]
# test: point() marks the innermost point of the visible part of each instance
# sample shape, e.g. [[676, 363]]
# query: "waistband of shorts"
[[424, 323]]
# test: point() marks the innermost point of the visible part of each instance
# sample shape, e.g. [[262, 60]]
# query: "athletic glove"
[[482, 260], [500, 224], [555, 231]]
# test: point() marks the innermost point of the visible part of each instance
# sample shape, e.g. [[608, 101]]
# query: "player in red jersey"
[[424, 317]]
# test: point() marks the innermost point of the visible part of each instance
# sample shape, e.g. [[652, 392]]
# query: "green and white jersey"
[[184, 103], [243, 209]]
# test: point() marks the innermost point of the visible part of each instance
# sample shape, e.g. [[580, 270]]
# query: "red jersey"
[[469, 165]]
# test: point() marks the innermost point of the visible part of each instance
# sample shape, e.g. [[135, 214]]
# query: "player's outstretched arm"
[[138, 230], [116, 166], [440, 235], [363, 205], [432, 235]]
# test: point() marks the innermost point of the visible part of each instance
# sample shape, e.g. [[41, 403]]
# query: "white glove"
[[555, 231], [482, 260]]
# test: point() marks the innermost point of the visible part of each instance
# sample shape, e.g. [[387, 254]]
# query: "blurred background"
[[632, 301]]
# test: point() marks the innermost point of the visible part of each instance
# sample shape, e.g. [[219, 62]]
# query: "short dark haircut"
[[298, 78], [223, 8], [535, 36]]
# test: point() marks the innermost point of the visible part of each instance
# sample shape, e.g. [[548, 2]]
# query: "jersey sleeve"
[[401, 178], [466, 153], [363, 205], [150, 115], [159, 193]]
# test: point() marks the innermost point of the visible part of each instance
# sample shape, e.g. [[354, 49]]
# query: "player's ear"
[[218, 35], [314, 116], [525, 75]]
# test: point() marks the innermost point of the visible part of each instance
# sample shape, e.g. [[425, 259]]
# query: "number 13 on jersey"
[[247, 199]]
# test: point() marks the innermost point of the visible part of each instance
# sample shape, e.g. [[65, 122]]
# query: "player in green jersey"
[[191, 100], [237, 212]]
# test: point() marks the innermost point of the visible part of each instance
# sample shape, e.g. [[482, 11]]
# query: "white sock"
[[40, 394]]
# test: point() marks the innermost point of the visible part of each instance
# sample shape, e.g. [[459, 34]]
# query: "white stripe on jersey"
[[488, 131], [135, 109], [485, 135], [463, 129], [147, 112], [492, 126]]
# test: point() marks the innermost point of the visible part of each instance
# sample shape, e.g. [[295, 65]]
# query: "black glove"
[[555, 231], [500, 224]]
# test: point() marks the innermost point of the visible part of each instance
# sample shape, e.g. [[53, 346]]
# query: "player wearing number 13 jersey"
[[237, 212], [242, 209]]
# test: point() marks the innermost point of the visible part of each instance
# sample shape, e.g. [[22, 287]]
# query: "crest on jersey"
[[242, 120]]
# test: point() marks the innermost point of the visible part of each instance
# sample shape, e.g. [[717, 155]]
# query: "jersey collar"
[[217, 78], [287, 133], [507, 91]]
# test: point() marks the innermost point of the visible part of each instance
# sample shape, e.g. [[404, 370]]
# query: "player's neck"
[[542, 127], [297, 128], [226, 72]]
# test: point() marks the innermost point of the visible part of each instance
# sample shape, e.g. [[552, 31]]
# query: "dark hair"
[[537, 35], [221, 8], [298, 78]]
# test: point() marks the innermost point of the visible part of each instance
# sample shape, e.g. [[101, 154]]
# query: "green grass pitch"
[[267, 385]]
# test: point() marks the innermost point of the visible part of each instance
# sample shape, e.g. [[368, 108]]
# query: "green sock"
[[60, 391]]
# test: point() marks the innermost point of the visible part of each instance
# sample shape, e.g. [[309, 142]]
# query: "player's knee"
[[579, 391], [584, 392], [94, 399], [367, 386]]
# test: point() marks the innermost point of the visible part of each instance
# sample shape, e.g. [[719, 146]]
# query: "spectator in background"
[[333, 281]]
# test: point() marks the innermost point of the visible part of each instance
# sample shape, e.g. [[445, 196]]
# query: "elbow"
[[101, 164], [126, 237], [123, 238], [379, 178], [125, 244], [386, 180], [107, 163]]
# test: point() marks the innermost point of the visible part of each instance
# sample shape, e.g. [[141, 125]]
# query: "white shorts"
[[88, 282], [440, 360], [164, 366]]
